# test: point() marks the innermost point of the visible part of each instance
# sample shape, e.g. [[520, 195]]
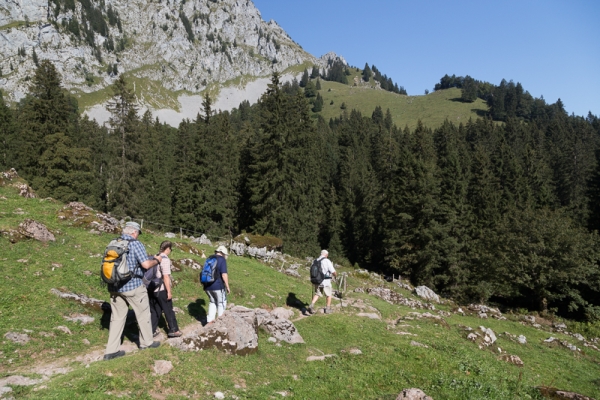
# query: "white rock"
[[427, 294]]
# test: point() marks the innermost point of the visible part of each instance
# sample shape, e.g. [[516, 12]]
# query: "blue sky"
[[551, 47]]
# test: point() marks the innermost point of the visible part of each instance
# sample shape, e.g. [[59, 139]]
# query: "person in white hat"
[[218, 289]]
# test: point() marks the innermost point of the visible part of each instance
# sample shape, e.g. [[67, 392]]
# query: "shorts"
[[323, 290]]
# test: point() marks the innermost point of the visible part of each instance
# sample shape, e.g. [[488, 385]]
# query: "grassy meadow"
[[450, 367], [432, 109]]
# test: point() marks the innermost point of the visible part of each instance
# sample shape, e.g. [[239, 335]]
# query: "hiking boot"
[[175, 334], [327, 310], [110, 356], [156, 333], [310, 309], [152, 346]]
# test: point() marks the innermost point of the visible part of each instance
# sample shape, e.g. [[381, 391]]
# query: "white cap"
[[222, 249]]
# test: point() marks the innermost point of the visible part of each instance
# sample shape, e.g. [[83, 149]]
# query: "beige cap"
[[222, 249]]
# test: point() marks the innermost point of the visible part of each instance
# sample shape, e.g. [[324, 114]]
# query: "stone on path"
[[413, 394], [162, 367], [18, 338]]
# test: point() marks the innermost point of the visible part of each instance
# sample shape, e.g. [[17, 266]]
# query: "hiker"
[[324, 288], [218, 289], [132, 293], [161, 300]]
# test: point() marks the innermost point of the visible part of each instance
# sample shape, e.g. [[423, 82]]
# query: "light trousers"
[[119, 305], [217, 305]]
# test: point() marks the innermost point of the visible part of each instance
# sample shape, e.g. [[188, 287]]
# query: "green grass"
[[14, 24], [431, 109], [450, 368]]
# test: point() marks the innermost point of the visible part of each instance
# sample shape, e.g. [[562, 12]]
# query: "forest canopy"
[[482, 211]]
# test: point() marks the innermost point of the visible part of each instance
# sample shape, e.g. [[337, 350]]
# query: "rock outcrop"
[[236, 332]]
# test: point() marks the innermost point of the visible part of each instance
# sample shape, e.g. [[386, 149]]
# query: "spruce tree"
[[123, 189], [367, 73], [285, 161], [304, 80], [318, 104], [7, 135], [46, 110]]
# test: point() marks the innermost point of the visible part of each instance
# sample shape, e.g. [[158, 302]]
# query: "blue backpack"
[[209, 271]]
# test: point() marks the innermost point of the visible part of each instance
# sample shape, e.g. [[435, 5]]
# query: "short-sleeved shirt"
[[137, 255], [328, 270], [218, 284], [165, 267]]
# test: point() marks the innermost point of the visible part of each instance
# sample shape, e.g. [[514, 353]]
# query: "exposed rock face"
[[81, 215], [36, 230], [202, 240], [26, 191], [395, 298], [512, 359], [180, 45], [236, 332], [230, 333], [427, 294]]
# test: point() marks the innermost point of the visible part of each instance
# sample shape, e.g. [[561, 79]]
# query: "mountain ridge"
[[186, 47]]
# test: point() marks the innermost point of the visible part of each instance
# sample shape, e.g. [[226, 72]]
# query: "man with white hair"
[[131, 293], [324, 288]]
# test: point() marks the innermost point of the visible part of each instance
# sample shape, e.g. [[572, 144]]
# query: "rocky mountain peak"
[[173, 46]]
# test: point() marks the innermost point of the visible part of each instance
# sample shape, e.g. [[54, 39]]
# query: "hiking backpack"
[[114, 269], [316, 272], [150, 280], [209, 271]]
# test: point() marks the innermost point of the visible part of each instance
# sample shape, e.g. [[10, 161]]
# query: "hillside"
[[373, 348], [431, 109]]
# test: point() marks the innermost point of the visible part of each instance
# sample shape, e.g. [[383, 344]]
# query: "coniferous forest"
[[502, 209]]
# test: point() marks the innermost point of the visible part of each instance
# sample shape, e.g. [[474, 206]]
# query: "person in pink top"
[[162, 298]]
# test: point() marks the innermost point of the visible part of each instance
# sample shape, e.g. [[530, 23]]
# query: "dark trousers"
[[160, 304]]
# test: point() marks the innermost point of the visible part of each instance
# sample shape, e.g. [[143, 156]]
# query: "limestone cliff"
[[176, 46]]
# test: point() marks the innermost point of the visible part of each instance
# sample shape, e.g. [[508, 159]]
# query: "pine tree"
[[310, 90], [35, 58], [157, 170], [469, 90], [285, 161], [304, 80], [318, 104], [46, 110], [207, 107], [367, 73], [7, 135], [124, 170], [315, 72]]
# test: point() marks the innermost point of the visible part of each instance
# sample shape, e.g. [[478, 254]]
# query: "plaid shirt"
[[137, 255]]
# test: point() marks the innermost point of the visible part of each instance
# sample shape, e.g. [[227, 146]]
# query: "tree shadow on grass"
[[479, 112]]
